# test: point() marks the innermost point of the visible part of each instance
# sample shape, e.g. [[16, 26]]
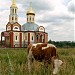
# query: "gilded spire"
[[13, 3], [30, 6], [30, 9]]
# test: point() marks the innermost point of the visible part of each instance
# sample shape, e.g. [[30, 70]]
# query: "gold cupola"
[[30, 11], [13, 3]]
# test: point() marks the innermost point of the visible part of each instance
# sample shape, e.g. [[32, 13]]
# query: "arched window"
[[37, 37], [16, 28], [33, 18], [16, 37], [25, 37], [32, 37], [30, 18], [15, 10], [12, 18], [41, 36]]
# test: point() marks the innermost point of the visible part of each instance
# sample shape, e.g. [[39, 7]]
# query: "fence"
[[16, 44]]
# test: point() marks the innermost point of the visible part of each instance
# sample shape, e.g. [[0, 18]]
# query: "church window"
[[30, 18], [15, 10], [25, 37], [33, 18], [37, 37], [16, 37], [32, 37], [16, 27], [12, 18]]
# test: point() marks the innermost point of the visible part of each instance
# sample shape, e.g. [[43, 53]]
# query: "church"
[[17, 35]]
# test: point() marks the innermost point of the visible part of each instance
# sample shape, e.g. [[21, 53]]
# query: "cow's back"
[[49, 52]]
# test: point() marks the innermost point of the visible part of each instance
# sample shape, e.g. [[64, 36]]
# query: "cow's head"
[[57, 65]]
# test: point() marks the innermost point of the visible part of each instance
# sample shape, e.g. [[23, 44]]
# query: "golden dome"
[[30, 11]]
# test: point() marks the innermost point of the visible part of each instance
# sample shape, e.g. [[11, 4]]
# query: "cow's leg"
[[30, 60], [53, 65]]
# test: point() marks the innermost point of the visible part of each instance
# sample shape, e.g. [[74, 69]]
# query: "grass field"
[[14, 62]]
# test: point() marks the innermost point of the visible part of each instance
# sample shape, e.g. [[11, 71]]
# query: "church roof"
[[30, 27]]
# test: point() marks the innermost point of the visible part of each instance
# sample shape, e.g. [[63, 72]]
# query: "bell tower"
[[13, 24], [13, 17]]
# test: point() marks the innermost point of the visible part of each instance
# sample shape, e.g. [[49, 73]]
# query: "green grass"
[[18, 60]]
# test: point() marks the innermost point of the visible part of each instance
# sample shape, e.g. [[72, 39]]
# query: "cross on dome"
[[30, 11]]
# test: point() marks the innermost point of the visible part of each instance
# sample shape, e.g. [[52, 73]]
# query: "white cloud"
[[61, 32], [71, 6]]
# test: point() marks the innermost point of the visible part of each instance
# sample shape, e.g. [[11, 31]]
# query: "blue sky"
[[57, 16]]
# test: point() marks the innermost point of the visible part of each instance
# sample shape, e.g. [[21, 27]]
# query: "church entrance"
[[5, 39], [41, 39]]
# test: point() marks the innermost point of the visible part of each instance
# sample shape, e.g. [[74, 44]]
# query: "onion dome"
[[30, 11]]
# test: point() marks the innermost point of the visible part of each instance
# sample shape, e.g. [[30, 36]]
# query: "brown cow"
[[44, 53]]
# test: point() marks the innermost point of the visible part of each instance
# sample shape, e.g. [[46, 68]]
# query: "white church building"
[[17, 35]]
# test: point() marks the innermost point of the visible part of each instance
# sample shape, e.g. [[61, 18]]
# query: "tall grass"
[[15, 62], [10, 65]]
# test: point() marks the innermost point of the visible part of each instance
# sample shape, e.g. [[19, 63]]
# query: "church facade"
[[17, 35]]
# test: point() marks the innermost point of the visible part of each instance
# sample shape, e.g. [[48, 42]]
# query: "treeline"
[[63, 44]]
